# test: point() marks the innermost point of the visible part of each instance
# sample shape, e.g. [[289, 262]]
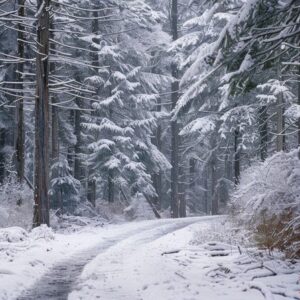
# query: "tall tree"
[[20, 142], [41, 178], [174, 123], [298, 79]]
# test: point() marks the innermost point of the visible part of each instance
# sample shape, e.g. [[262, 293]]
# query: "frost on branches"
[[268, 202]]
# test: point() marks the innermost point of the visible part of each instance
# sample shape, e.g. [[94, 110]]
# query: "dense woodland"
[[191, 107]]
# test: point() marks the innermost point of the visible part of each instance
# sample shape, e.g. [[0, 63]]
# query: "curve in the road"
[[61, 279]]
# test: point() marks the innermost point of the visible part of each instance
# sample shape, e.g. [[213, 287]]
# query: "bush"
[[276, 233], [268, 202], [16, 203]]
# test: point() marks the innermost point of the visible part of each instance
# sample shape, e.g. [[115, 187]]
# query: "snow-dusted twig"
[[263, 289], [170, 252]]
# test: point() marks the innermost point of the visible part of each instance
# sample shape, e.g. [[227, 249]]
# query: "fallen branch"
[[286, 294], [180, 275], [263, 289], [170, 252], [264, 275]]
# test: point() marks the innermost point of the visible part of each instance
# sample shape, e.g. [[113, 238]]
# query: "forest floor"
[[193, 258]]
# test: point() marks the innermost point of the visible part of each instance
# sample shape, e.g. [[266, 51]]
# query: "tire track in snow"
[[59, 281]]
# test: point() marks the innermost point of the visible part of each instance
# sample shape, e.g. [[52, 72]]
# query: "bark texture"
[[263, 131], [20, 142], [41, 184], [237, 158], [174, 124]]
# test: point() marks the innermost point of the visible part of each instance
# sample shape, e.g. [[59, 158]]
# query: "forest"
[[128, 122]]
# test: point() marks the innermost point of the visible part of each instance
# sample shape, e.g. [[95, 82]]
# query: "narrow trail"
[[61, 280]]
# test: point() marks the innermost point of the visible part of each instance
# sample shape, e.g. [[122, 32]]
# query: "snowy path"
[[59, 281], [187, 259], [168, 266]]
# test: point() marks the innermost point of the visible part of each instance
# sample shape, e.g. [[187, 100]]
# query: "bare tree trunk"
[[56, 201], [280, 125], [181, 194], [159, 175], [237, 158], [174, 124], [55, 132], [280, 143], [192, 178], [299, 118], [263, 131], [206, 191], [77, 148], [111, 186], [41, 208], [54, 112], [214, 199], [92, 191], [2, 153], [20, 142]]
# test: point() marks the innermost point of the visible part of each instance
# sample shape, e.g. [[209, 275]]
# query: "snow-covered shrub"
[[13, 235], [268, 202], [16, 203], [42, 232]]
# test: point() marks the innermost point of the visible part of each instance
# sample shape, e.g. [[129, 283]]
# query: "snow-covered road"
[[187, 259], [62, 278]]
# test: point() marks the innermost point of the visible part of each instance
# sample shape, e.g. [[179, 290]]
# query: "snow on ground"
[[26, 257], [187, 264], [193, 258]]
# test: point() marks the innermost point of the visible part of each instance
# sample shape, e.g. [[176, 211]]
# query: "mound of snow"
[[42, 232], [16, 204], [13, 235]]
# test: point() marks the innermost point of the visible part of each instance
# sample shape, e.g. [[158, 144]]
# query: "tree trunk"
[[54, 111], [299, 118], [41, 208], [181, 193], [206, 191], [20, 142], [2, 153], [263, 131], [280, 125], [111, 186], [237, 157], [192, 178], [159, 175], [214, 196], [77, 148], [55, 132], [280, 118], [92, 191], [174, 124]]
